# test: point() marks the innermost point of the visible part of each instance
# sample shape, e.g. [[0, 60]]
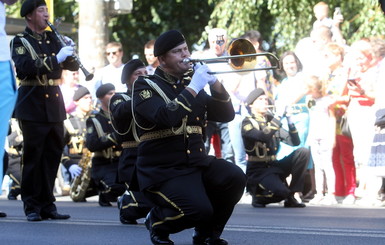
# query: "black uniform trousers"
[[295, 165], [204, 199], [106, 179], [135, 206], [43, 146]]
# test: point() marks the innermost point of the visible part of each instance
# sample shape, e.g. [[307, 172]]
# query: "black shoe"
[[216, 241], [291, 202], [256, 203], [161, 239], [34, 217], [2, 214], [54, 215], [103, 202], [157, 239], [126, 221], [12, 196], [199, 239]]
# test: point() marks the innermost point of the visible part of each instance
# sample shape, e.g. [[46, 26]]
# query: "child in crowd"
[[321, 140]]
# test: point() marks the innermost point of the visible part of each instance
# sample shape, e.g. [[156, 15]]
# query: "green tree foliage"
[[283, 23], [149, 19]]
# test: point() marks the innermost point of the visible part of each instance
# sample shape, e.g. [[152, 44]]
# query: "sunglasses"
[[113, 53]]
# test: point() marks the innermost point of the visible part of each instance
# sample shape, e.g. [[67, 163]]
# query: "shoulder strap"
[[126, 98], [158, 90], [98, 127], [70, 128]]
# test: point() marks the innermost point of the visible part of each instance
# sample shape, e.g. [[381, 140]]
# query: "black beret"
[[129, 68], [167, 41], [80, 92], [104, 89], [30, 5], [254, 95]]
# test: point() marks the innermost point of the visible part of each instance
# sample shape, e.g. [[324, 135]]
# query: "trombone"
[[296, 108], [242, 58]]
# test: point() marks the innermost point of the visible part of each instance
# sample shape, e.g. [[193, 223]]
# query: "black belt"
[[115, 154], [262, 159], [129, 144], [168, 133], [50, 82]]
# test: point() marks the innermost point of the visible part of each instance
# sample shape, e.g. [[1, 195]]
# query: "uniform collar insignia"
[[35, 35], [165, 76]]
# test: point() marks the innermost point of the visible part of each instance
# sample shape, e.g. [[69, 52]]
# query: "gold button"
[[200, 149], [46, 95], [189, 130], [40, 42], [53, 54], [57, 95], [48, 42], [50, 82], [197, 118], [188, 151], [174, 86]]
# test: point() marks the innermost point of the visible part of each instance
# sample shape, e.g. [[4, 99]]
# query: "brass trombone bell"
[[242, 58]]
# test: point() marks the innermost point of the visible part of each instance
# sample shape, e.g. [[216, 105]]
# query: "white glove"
[[64, 53], [75, 170], [200, 78], [212, 78]]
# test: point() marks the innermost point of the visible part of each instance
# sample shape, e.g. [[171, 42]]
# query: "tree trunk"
[[93, 33]]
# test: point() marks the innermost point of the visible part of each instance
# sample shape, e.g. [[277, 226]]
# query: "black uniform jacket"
[[121, 111], [107, 144], [262, 137], [39, 103], [74, 137], [167, 157]]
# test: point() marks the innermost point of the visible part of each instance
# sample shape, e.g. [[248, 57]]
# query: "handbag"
[[345, 130]]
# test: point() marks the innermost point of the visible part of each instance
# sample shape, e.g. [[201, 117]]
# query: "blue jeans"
[[223, 130], [237, 141], [8, 95]]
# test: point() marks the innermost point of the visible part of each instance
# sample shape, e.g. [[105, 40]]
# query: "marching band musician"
[[188, 187], [266, 176], [132, 204], [39, 59], [105, 143], [75, 136]]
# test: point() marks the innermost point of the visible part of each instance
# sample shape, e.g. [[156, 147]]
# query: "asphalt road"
[[91, 224]]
